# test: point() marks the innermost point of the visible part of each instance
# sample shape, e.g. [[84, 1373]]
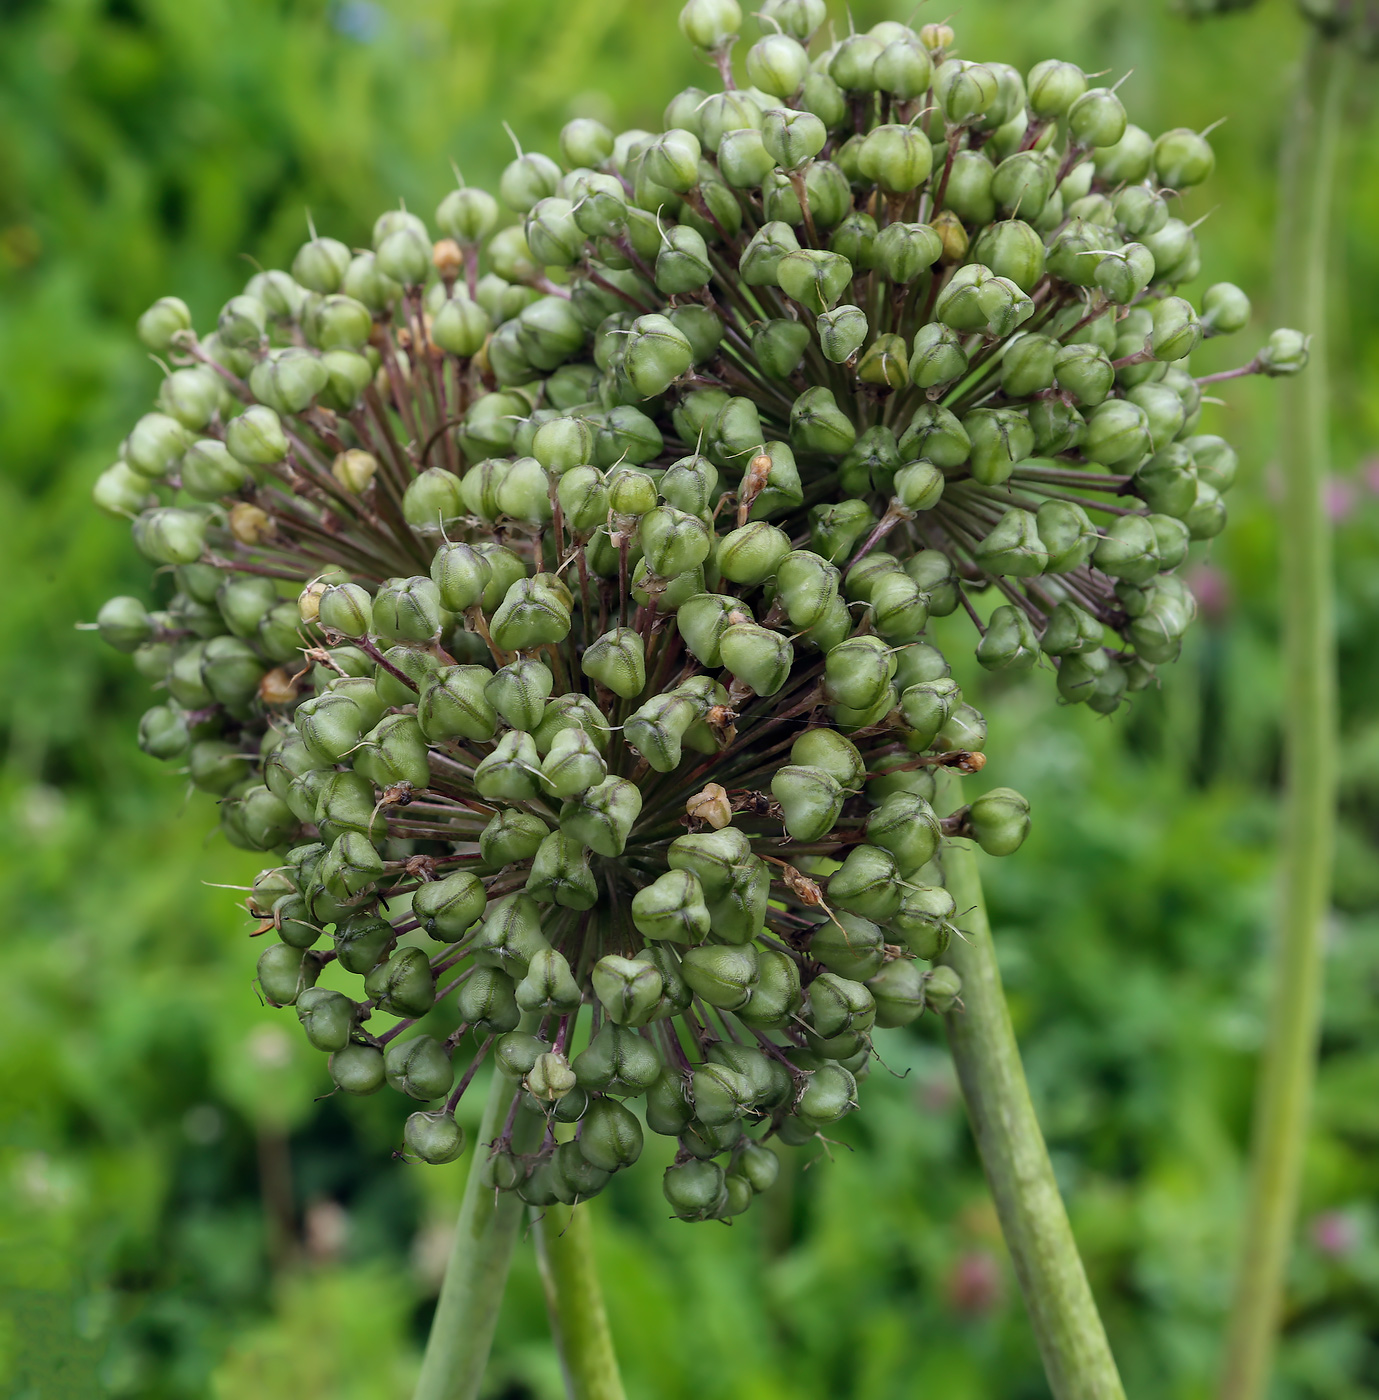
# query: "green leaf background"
[[182, 1216]]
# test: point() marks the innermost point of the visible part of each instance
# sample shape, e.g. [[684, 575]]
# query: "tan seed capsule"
[[354, 469], [309, 601], [278, 686], [447, 258], [936, 36], [711, 805], [249, 524], [951, 234]]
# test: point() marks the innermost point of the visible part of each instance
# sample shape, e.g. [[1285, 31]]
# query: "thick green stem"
[[467, 1311], [579, 1321], [1072, 1341], [1285, 1087]]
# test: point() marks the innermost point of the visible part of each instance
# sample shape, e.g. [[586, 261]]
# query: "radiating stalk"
[[1284, 1097], [1072, 1341], [579, 1320], [467, 1311]]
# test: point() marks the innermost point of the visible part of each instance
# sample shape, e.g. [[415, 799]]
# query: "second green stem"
[[1072, 1341]]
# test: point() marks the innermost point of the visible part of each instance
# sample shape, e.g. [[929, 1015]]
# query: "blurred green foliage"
[[180, 1216]]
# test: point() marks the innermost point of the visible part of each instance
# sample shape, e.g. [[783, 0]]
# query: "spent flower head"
[[551, 586]]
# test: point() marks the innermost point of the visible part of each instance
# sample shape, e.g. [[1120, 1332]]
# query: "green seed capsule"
[[1009, 643], [923, 920], [829, 1095], [360, 941], [905, 825], [898, 991], [487, 1001], [759, 658], [711, 857], [722, 974], [841, 334], [672, 907], [814, 278], [1000, 821], [435, 1138], [419, 1068], [977, 299], [327, 1018], [448, 908], [1284, 353], [284, 973], [602, 816], [817, 424], [357, 1069], [850, 947], [617, 660], [630, 989], [866, 884], [938, 357], [1182, 158], [619, 1061], [1000, 438], [560, 874], [1070, 630], [694, 1189], [1013, 546], [1225, 310]]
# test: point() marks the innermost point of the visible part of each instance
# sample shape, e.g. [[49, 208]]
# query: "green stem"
[[1284, 1098], [467, 1311], [1072, 1341], [579, 1321]]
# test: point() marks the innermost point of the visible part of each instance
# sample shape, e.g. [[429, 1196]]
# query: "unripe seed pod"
[[487, 1001], [434, 1137], [1053, 87], [419, 1068], [722, 974], [1182, 158], [357, 1069], [1225, 309], [360, 942], [602, 816], [866, 884], [829, 1094], [1013, 546], [1028, 365], [560, 875], [942, 988], [1070, 630], [898, 990], [447, 909], [903, 68], [964, 90], [1000, 821], [1097, 118], [256, 437], [1009, 644], [1285, 352], [694, 1189], [630, 989], [672, 908], [710, 24], [284, 973], [898, 158], [853, 948], [1014, 252], [327, 1018], [810, 798], [712, 856], [320, 265]]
